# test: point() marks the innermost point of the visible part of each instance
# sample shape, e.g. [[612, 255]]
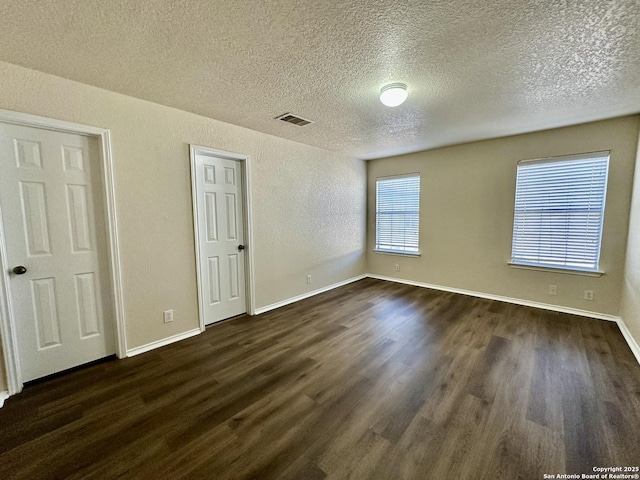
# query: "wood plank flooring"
[[374, 380]]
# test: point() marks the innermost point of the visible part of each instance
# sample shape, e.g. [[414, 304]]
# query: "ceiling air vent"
[[290, 118]]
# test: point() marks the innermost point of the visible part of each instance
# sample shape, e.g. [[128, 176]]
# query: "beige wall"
[[308, 204], [631, 286], [467, 198], [309, 207]]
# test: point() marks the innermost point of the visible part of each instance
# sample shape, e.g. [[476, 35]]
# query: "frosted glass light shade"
[[393, 94]]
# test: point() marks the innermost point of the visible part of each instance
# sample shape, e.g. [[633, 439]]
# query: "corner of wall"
[[630, 304]]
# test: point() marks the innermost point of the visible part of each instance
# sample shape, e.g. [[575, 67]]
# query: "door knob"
[[240, 247], [19, 270]]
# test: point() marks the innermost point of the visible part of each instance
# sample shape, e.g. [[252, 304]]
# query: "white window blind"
[[559, 210], [397, 213]]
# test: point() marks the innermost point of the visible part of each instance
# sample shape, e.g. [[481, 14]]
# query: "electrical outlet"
[[308, 279], [588, 295], [553, 290], [168, 316], [397, 267]]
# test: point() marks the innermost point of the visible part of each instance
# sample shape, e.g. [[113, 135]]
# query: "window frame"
[[518, 262], [399, 251]]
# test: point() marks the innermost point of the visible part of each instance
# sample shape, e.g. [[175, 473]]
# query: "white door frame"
[[248, 232], [7, 319]]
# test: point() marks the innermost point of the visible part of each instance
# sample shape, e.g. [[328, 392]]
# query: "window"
[[559, 210], [397, 214]]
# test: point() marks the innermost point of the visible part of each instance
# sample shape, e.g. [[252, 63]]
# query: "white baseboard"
[[633, 345], [161, 343], [297, 298], [500, 298], [3, 397]]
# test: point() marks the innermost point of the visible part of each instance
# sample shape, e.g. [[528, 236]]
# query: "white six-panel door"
[[220, 230], [52, 212]]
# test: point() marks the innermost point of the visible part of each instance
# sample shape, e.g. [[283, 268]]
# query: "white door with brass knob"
[[53, 220]]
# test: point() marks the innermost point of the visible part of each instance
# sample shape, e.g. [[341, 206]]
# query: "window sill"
[[393, 252], [568, 271]]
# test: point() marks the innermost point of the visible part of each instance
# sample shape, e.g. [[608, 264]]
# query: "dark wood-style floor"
[[374, 380]]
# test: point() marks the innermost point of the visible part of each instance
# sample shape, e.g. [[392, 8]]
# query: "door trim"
[[7, 320], [248, 222]]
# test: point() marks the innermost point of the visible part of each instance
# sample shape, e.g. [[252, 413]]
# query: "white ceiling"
[[475, 69]]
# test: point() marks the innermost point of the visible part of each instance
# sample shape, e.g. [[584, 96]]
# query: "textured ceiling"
[[475, 69]]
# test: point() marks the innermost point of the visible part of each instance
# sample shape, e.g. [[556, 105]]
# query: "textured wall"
[[466, 218], [308, 204], [310, 214], [631, 285]]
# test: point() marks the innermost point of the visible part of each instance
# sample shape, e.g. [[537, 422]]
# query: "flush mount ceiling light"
[[393, 94]]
